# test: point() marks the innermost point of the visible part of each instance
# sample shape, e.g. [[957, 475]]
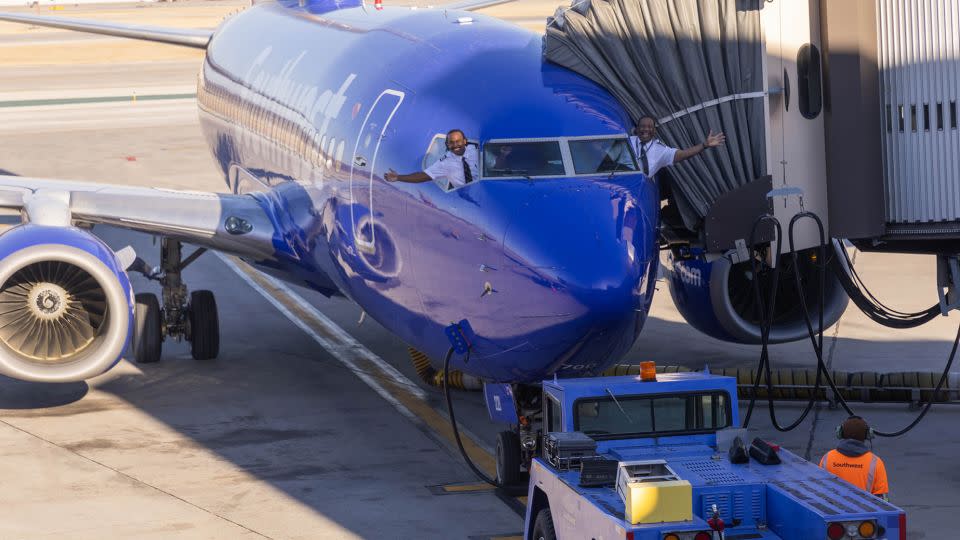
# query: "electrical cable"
[[869, 304], [766, 318], [453, 419], [817, 341], [943, 378], [761, 315]]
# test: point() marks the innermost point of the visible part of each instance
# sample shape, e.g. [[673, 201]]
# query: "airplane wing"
[[236, 224], [175, 36], [472, 5]]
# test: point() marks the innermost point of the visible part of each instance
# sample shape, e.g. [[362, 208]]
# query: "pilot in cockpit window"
[[457, 167]]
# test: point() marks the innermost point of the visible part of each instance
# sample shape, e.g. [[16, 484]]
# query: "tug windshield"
[[606, 418]]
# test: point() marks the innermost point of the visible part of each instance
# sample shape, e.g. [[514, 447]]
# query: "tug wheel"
[[508, 458], [543, 526]]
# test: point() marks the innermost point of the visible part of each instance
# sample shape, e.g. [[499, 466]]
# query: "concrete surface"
[[276, 438]]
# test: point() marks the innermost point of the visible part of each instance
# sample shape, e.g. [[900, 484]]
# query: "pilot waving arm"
[[458, 166]]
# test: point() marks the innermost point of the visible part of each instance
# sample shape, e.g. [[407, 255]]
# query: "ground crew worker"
[[854, 462]]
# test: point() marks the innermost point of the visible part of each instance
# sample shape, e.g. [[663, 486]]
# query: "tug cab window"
[[504, 159], [602, 417], [594, 156]]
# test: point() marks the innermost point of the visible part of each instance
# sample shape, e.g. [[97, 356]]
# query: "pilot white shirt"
[[450, 167], [659, 155]]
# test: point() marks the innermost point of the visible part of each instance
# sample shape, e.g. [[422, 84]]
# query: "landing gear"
[[147, 334], [204, 326], [517, 448], [196, 320], [508, 458]]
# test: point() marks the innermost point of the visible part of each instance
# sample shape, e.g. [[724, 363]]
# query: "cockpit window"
[[594, 156], [525, 159], [438, 147], [435, 152]]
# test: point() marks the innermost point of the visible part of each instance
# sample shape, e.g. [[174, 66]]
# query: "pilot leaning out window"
[[457, 167]]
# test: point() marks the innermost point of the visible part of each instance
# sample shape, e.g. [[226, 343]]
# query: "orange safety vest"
[[867, 471]]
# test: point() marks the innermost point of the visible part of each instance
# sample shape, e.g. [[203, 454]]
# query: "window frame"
[[698, 414], [625, 136], [442, 137]]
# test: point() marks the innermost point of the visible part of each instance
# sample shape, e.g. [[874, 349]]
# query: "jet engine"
[[718, 298], [66, 306]]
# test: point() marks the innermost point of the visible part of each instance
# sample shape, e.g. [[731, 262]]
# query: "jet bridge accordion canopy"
[[695, 66]]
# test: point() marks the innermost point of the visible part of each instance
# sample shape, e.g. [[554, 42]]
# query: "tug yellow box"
[[656, 502]]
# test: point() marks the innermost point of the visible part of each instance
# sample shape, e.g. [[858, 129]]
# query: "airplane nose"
[[585, 249]]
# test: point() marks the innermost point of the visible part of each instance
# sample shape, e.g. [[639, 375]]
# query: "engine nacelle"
[[66, 305], [717, 298]]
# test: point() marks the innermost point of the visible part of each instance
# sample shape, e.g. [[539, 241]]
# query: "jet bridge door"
[[795, 143], [363, 167]]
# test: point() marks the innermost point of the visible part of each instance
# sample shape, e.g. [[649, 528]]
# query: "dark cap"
[[855, 428]]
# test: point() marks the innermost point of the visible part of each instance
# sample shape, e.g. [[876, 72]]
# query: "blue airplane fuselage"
[[555, 275]]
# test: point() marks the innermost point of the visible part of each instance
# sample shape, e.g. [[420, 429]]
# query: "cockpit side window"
[[435, 152], [594, 156], [522, 159]]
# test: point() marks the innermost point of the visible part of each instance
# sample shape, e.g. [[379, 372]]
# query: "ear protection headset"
[[840, 434]]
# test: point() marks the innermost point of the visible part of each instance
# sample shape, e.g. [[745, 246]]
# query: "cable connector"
[[461, 336]]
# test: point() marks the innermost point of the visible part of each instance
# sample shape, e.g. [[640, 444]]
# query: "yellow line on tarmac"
[[401, 392], [467, 488]]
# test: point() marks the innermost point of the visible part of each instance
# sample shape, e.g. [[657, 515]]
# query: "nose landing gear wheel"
[[147, 337], [204, 326], [508, 458]]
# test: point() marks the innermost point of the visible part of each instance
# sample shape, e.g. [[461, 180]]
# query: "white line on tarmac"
[[340, 351], [348, 351]]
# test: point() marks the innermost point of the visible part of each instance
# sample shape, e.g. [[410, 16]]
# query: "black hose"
[[943, 378], [766, 318], [817, 341], [761, 315], [871, 306], [453, 419]]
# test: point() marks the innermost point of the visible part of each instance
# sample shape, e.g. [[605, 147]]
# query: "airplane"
[[551, 258]]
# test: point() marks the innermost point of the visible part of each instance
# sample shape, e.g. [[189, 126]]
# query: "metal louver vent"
[[51, 311]]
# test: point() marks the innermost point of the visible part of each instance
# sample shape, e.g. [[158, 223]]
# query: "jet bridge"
[[843, 108], [854, 102]]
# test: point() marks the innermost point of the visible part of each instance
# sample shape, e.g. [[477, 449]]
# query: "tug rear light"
[[867, 529], [835, 531], [703, 536]]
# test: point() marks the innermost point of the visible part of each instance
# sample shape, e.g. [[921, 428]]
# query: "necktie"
[[467, 175], [643, 159]]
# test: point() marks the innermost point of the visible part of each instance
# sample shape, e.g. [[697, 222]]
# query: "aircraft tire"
[[204, 326], [508, 458], [147, 338], [543, 526]]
